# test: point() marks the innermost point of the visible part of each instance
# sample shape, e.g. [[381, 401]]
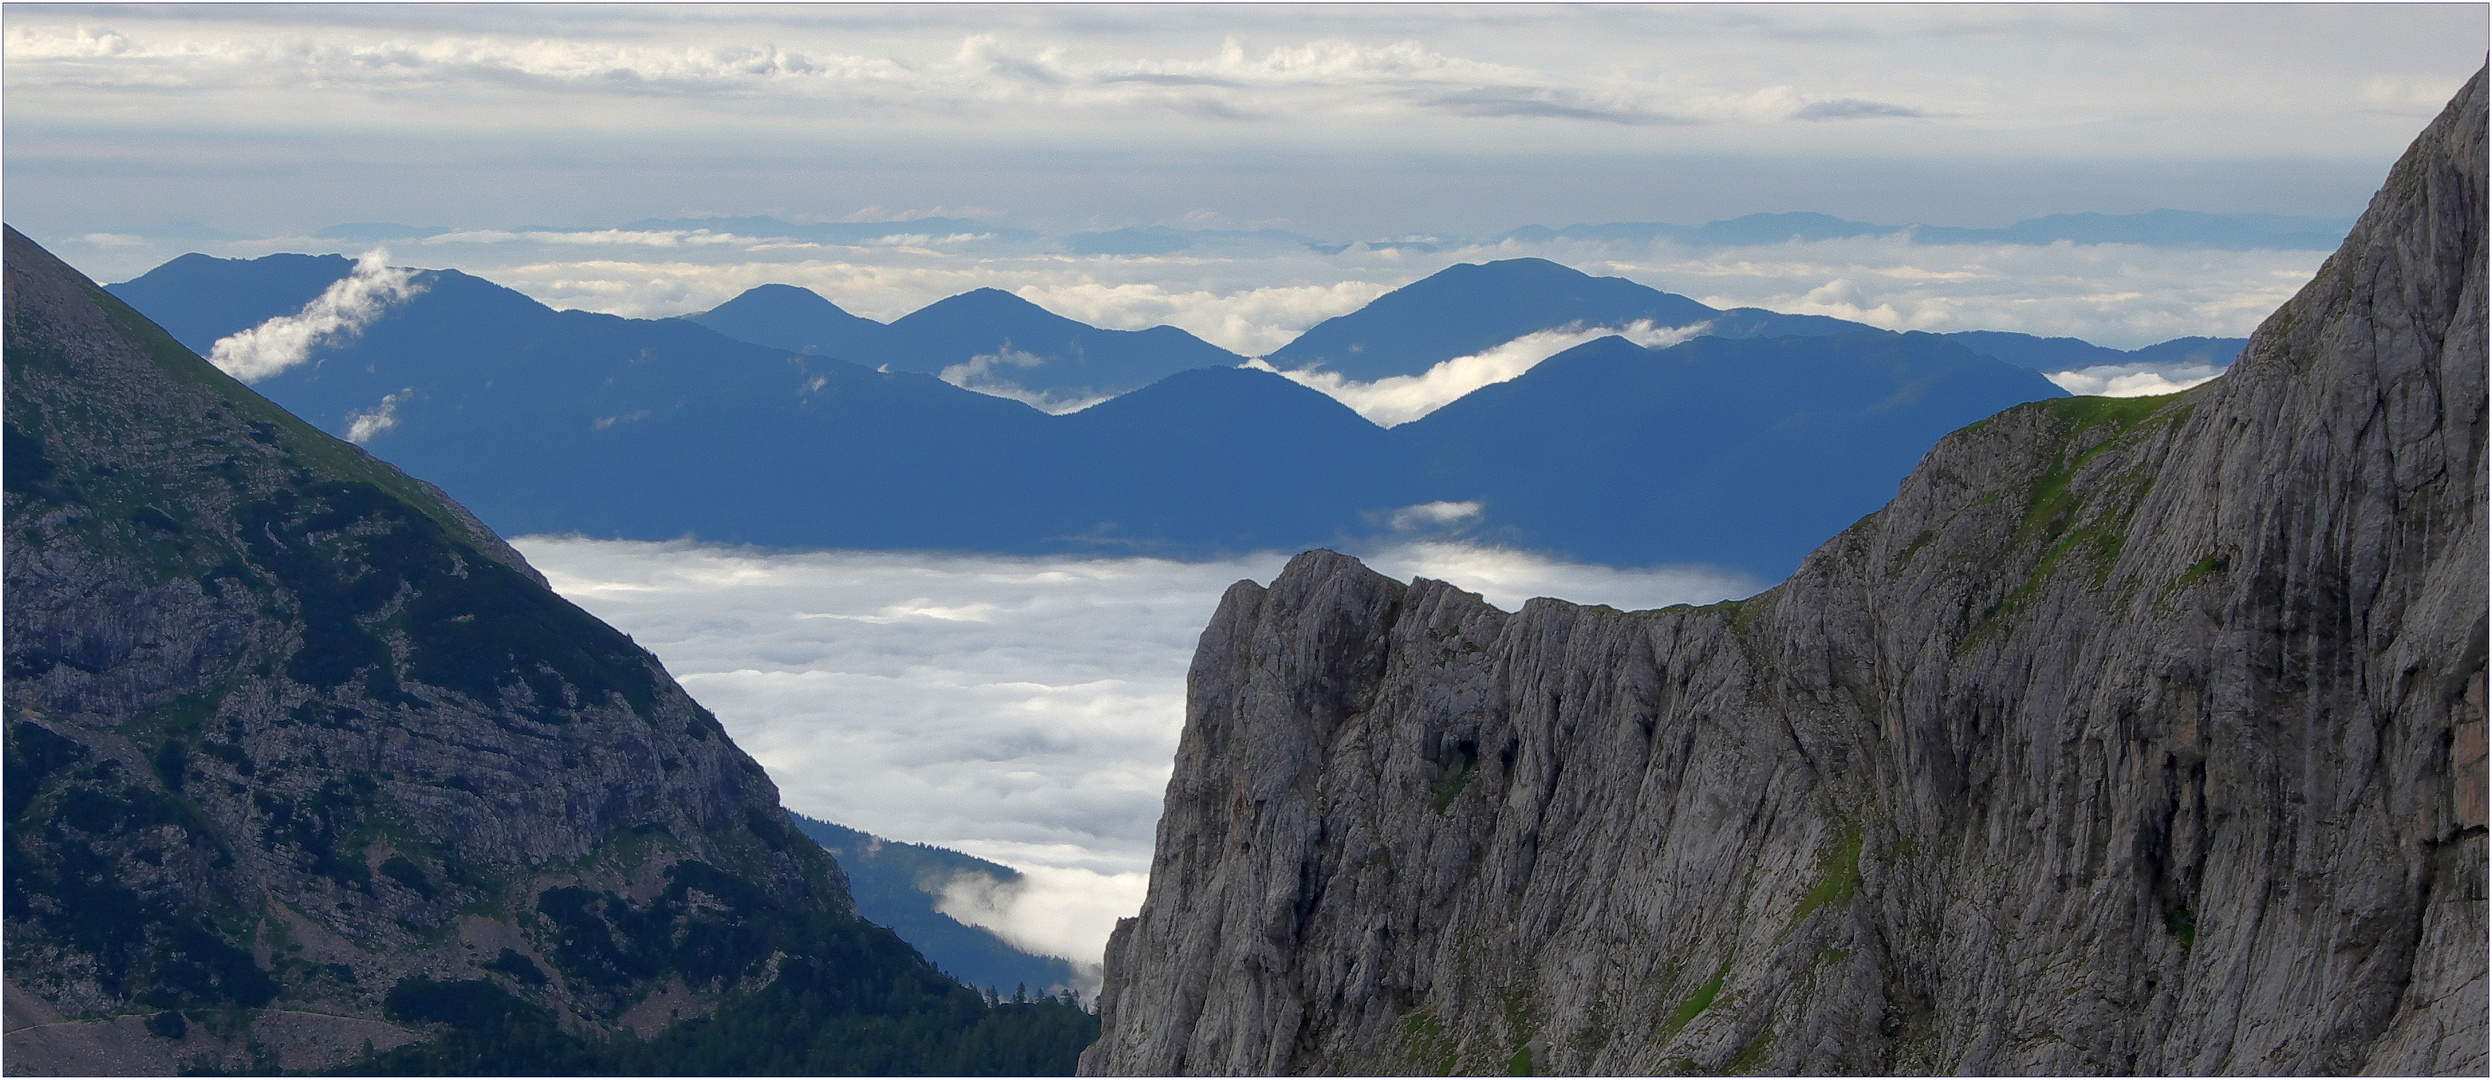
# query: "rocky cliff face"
[[304, 764], [2134, 736]]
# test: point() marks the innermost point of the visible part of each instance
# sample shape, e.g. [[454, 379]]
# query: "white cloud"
[[1401, 399], [2086, 83], [2117, 295], [362, 426], [2133, 380], [337, 315], [657, 238], [1022, 709], [1435, 515], [1250, 321], [1052, 911]]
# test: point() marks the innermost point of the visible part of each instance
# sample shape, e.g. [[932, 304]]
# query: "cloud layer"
[[1350, 122], [1024, 710], [336, 316], [2133, 380], [1050, 910]]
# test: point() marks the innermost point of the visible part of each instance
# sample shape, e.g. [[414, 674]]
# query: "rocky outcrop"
[[2134, 736], [304, 764]]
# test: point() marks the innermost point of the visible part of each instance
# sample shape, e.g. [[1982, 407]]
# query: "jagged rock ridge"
[[2133, 736], [304, 764]]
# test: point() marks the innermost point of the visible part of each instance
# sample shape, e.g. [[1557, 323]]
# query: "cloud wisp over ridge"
[[1400, 399], [980, 373], [338, 314]]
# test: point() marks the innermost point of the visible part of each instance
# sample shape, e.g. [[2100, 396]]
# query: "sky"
[[1024, 710], [530, 136]]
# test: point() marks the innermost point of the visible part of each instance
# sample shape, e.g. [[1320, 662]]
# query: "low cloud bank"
[[1052, 911], [1021, 709], [1403, 398], [336, 316], [2133, 380]]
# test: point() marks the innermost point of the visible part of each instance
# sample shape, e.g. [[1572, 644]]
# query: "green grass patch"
[[2214, 563], [1840, 877], [2126, 413], [1696, 1003], [1914, 548], [1425, 1045]]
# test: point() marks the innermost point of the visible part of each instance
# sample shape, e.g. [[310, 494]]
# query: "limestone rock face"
[[2134, 736]]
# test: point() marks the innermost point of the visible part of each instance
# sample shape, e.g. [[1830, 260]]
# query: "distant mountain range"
[[986, 340], [827, 429], [1471, 308]]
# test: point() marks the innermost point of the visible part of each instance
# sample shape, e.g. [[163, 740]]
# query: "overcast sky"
[[137, 133], [1332, 119]]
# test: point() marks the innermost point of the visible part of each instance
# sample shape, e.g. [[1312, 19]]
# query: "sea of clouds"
[[1021, 709]]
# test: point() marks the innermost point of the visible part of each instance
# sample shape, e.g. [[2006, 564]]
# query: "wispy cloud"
[[1852, 109], [361, 427], [336, 316], [979, 373], [1435, 515], [1401, 399], [1548, 103]]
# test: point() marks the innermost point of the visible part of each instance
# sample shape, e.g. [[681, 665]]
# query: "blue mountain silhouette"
[[1737, 452], [1473, 307], [1008, 342]]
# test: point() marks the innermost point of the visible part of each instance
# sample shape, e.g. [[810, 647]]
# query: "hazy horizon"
[[533, 134]]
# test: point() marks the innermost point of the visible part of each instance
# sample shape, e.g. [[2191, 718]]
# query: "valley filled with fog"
[[1024, 710]]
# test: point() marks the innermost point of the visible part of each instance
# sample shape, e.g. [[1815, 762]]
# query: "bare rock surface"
[[2134, 736]]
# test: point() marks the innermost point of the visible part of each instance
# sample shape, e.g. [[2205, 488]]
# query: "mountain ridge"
[[306, 770], [658, 429], [2133, 736]]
